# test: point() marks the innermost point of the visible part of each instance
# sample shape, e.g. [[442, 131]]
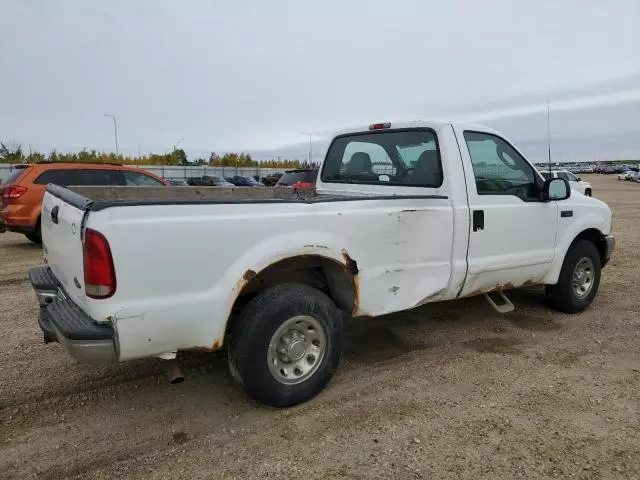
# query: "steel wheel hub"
[[296, 349], [583, 276]]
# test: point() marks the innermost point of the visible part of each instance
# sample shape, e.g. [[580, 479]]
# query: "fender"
[[583, 221], [272, 250]]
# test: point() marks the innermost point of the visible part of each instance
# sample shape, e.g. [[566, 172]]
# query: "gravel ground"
[[445, 391]]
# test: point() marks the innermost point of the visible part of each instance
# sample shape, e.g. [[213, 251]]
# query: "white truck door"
[[513, 233]]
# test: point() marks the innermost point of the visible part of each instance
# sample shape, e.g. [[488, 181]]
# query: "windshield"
[[304, 176]]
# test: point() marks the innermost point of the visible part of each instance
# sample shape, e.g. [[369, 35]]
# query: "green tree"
[[10, 153]]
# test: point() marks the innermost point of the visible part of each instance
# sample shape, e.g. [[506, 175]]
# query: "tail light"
[[99, 272], [11, 192], [303, 185]]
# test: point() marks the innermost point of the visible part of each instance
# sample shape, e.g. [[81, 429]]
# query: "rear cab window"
[[409, 158]]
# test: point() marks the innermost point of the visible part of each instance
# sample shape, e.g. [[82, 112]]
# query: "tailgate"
[[61, 224]]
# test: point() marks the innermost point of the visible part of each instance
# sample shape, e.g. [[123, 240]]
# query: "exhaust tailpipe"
[[175, 374]]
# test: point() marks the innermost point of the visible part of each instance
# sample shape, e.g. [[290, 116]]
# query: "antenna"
[[548, 135]]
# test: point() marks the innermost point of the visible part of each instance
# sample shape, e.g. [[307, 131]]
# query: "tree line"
[[15, 153]]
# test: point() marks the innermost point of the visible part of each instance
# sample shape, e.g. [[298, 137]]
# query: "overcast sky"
[[253, 74]]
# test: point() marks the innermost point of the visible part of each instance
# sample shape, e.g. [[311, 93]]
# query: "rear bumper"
[[64, 322], [10, 227]]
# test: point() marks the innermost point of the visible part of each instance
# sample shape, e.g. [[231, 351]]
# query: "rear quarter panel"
[[180, 268]]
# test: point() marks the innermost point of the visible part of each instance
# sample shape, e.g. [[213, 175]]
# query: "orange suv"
[[22, 191]]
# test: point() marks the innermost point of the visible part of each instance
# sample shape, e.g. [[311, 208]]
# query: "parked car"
[[470, 220], [176, 182], [241, 181], [23, 189], [299, 178], [626, 175], [208, 181], [271, 180], [635, 176], [575, 182]]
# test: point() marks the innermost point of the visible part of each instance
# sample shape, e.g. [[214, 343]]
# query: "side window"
[[499, 169], [96, 177], [57, 177], [139, 179], [546, 175], [400, 158]]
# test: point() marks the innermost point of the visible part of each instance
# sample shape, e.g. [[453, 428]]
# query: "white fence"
[[186, 172]]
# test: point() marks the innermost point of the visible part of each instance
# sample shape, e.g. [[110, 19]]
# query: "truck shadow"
[[464, 322], [20, 246]]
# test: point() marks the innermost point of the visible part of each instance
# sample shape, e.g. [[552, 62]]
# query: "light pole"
[[310, 148], [115, 128]]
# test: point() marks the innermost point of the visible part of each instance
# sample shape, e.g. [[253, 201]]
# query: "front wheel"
[[286, 345], [579, 279], [587, 192]]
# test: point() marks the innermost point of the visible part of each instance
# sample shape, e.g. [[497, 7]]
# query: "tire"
[[563, 296], [35, 236], [257, 335], [587, 192]]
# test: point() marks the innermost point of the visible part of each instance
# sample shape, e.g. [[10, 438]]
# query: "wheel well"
[[594, 236], [336, 280]]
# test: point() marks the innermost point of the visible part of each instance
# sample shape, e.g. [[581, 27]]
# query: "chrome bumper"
[[62, 321], [83, 351]]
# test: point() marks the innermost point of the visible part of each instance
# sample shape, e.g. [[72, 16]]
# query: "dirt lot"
[[446, 391]]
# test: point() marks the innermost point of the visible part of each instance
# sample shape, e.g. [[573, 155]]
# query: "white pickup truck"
[[403, 214]]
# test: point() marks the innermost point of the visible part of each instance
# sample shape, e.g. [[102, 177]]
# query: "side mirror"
[[556, 189]]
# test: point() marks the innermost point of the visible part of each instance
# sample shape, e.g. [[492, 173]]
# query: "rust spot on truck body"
[[501, 287], [352, 269], [217, 345], [249, 275]]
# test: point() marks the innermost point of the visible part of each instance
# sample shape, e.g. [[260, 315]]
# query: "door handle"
[[478, 220], [54, 214]]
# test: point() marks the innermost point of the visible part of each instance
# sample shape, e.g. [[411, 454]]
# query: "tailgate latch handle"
[[54, 214]]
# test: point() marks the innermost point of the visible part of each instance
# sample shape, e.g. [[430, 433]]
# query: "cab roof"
[[434, 124]]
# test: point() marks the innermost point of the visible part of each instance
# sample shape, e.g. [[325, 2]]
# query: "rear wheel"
[[579, 279], [35, 236], [286, 345]]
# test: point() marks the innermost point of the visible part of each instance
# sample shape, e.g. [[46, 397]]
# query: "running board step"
[[505, 305]]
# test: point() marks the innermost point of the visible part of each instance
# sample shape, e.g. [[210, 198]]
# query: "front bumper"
[[62, 321], [609, 243], [10, 227]]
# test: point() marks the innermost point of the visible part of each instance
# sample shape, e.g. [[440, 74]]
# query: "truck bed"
[[99, 198]]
